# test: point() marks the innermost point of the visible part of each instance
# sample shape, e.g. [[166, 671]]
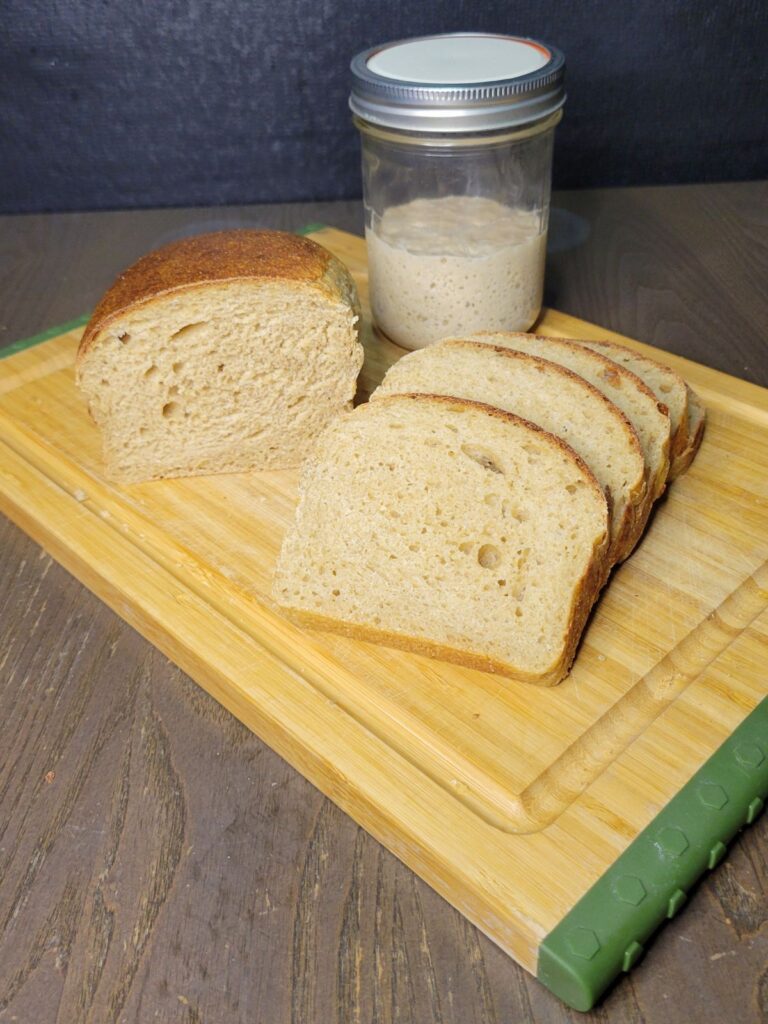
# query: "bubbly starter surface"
[[444, 267]]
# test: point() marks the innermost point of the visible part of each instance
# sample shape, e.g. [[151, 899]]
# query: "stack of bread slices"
[[473, 509]]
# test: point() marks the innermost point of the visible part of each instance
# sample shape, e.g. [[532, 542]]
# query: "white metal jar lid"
[[462, 82]]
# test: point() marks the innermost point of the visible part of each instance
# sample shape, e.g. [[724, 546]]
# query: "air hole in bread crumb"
[[482, 457], [508, 509], [177, 366], [172, 410], [151, 372], [611, 377], [466, 547], [172, 391], [335, 593], [502, 583], [187, 329], [489, 556], [220, 368], [124, 337]]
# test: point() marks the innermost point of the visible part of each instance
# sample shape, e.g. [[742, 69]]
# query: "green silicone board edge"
[[603, 934], [309, 229], [50, 332]]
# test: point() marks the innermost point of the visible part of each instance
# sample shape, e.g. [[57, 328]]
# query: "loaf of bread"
[[448, 528], [548, 395], [220, 353]]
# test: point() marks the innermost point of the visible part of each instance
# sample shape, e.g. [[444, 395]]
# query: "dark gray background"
[[127, 103]]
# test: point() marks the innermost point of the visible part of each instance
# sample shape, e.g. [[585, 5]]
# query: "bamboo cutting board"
[[566, 823]]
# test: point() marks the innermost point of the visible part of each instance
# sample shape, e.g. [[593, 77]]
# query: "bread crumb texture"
[[548, 395]]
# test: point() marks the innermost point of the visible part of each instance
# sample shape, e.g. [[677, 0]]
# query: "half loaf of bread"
[[220, 353], [448, 528], [548, 395]]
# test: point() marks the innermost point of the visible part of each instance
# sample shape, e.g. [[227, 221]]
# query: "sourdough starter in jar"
[[445, 267]]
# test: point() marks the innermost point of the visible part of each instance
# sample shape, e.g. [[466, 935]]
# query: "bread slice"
[[635, 399], [696, 421], [668, 387], [448, 528], [548, 395], [220, 353]]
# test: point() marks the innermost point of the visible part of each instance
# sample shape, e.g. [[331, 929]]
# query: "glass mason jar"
[[457, 134]]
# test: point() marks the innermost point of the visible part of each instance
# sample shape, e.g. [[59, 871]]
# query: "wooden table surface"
[[159, 863]]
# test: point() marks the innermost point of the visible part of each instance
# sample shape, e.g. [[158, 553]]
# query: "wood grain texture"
[[348, 934]]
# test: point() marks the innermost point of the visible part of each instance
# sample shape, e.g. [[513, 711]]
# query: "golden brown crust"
[[217, 257]]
